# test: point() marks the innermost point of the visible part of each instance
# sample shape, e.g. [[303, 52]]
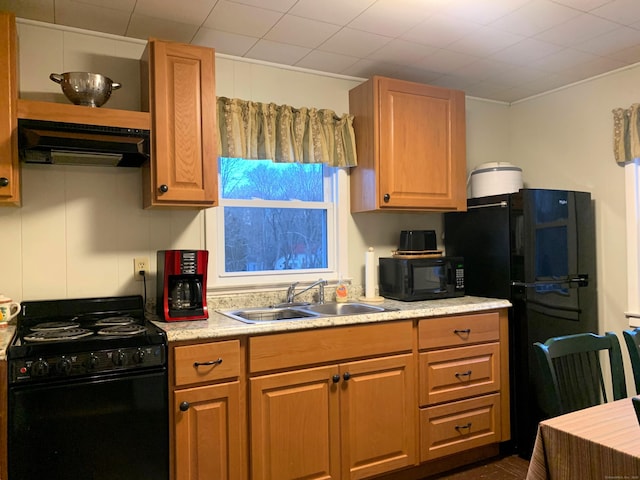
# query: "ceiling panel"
[[503, 50]]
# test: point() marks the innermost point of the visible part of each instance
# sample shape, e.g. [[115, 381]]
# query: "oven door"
[[105, 428]]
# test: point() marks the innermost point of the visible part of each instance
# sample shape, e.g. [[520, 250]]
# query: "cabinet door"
[[295, 425], [9, 167], [184, 157], [422, 146], [378, 416], [207, 433]]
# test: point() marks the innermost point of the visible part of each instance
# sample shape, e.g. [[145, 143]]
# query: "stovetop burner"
[[123, 329], [56, 339], [53, 326], [111, 321], [57, 334]]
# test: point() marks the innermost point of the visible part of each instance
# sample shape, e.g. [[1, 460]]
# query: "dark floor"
[[507, 468]]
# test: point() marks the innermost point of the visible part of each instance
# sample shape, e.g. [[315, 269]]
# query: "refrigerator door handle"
[[502, 204], [580, 280]]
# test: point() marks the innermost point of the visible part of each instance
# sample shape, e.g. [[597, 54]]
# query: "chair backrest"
[[636, 406], [571, 375], [632, 339]]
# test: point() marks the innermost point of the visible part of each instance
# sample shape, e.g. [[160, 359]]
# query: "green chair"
[[632, 339], [571, 375]]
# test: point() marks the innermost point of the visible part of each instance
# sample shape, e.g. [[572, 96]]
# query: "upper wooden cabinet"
[[9, 168], [178, 82], [411, 145]]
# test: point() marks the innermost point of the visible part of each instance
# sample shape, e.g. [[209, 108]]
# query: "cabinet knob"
[[4, 181], [386, 198], [184, 406], [346, 376], [335, 378], [163, 188]]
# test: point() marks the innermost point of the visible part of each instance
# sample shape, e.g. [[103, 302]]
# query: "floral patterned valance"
[[626, 133], [281, 133]]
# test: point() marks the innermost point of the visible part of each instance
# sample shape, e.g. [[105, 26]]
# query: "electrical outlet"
[[140, 263]]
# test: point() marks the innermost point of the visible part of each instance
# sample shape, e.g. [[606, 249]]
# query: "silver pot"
[[83, 88]]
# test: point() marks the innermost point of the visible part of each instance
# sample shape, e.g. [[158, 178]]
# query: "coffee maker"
[[182, 285]]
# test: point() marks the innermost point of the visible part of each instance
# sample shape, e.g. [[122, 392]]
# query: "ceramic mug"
[[8, 309]]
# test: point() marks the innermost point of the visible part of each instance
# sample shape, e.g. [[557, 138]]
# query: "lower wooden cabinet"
[[464, 383], [399, 399], [207, 435], [345, 421]]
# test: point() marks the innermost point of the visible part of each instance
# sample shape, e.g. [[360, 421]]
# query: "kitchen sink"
[[344, 308], [269, 314], [297, 312]]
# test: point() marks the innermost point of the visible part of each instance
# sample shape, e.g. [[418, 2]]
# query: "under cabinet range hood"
[[60, 143]]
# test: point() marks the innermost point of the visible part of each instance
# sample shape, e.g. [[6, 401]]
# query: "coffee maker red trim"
[[182, 285]]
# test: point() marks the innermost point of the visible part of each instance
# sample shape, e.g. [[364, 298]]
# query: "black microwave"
[[411, 279]]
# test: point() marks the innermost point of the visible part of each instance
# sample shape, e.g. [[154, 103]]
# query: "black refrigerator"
[[535, 248]]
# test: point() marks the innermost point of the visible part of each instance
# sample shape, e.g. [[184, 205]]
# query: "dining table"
[[598, 443]]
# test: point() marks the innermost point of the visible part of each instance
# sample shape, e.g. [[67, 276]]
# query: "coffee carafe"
[[182, 285]]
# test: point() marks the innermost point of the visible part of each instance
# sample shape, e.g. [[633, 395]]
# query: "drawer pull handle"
[[464, 427], [184, 406], [466, 331], [335, 378], [206, 364], [346, 376], [463, 374]]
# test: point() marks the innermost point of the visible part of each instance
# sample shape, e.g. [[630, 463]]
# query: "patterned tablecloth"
[[598, 443]]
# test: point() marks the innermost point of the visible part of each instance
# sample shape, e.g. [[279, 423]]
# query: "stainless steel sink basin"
[[297, 311], [269, 314], [344, 308]]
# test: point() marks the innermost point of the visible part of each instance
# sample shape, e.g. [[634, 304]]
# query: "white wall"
[[80, 227]]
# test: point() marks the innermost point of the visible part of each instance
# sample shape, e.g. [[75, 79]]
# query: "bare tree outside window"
[[267, 225]]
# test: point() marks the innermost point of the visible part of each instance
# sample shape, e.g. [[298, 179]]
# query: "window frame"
[[218, 280], [632, 194]]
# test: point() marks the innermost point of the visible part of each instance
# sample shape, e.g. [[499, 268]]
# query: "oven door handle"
[[209, 363]]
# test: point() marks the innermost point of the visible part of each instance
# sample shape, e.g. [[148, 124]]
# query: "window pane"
[[266, 180], [259, 239]]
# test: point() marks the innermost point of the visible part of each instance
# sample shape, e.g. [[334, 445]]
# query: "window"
[[632, 192], [275, 221]]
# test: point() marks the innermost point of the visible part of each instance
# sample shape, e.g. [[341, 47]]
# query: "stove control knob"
[[64, 366], [138, 356], [119, 358], [39, 368], [92, 362]]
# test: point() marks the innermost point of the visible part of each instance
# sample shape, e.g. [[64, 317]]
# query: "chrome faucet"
[[291, 291]]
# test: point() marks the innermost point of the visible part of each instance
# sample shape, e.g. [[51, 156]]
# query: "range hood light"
[[63, 157]]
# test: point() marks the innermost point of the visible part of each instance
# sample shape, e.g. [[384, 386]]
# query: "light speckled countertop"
[[220, 326], [6, 334]]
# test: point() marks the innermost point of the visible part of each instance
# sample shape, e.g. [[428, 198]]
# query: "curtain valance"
[[626, 133], [281, 133]]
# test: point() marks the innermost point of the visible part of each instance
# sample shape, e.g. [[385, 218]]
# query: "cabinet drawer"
[[206, 362], [297, 349], [457, 373], [458, 426], [459, 330]]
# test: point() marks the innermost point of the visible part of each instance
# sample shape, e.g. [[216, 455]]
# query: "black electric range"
[[88, 392]]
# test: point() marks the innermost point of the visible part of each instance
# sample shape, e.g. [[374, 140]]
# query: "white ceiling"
[[496, 49]]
